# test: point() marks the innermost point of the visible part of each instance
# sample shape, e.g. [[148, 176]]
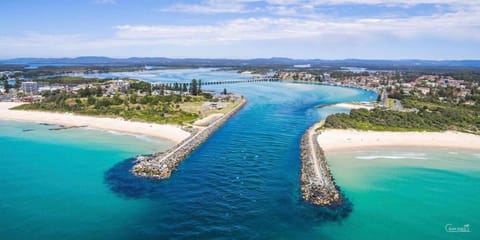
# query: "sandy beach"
[[351, 106], [338, 140], [170, 132]]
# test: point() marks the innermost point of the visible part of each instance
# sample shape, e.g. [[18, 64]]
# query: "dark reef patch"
[[122, 182]]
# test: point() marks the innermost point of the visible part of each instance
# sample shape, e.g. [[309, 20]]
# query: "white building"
[[326, 77], [29, 87], [121, 85]]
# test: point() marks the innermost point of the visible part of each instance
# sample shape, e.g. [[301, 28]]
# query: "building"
[[121, 85], [326, 77], [29, 87], [424, 90]]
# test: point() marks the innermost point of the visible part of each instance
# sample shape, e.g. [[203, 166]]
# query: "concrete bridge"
[[251, 80], [222, 82]]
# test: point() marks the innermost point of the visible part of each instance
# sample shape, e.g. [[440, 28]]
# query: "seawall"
[[161, 165], [317, 183]]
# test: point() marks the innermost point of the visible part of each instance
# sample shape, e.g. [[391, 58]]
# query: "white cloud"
[[290, 6], [460, 25]]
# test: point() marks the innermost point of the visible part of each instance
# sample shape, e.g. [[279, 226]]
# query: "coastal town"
[[15, 87], [395, 83]]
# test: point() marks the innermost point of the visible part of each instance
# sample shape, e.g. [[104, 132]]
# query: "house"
[[424, 90]]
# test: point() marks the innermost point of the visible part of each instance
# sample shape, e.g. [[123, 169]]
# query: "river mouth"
[[245, 179], [242, 183]]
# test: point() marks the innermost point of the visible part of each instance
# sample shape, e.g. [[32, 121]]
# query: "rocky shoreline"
[[161, 165], [317, 183]]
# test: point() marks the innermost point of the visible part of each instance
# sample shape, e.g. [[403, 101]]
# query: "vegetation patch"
[[420, 115]]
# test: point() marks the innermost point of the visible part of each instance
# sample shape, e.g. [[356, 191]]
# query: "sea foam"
[[420, 156]]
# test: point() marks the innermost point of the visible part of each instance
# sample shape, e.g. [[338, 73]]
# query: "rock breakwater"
[[161, 165], [317, 183]]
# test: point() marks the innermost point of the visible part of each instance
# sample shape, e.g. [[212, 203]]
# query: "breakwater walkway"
[[317, 183], [161, 165]]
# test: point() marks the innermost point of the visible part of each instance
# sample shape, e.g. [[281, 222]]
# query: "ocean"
[[242, 183], [408, 193]]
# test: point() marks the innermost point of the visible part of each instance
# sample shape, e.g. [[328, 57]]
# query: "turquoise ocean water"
[[243, 183]]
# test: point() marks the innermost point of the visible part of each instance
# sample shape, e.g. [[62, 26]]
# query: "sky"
[[301, 29]]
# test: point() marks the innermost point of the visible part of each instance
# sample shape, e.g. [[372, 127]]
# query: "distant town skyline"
[[240, 29]]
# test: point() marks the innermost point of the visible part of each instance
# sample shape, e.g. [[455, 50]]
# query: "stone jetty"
[[317, 183], [161, 165]]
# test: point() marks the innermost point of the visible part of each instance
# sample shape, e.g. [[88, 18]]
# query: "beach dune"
[[164, 131]]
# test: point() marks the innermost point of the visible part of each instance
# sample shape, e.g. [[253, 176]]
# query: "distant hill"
[[97, 60]]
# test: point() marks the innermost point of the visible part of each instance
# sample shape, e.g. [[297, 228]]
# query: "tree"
[[116, 100], [91, 100], [99, 91], [6, 86], [133, 98], [224, 91], [389, 89], [194, 87], [199, 90], [84, 92]]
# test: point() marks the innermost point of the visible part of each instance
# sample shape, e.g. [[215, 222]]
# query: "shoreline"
[[351, 106], [347, 105], [334, 140], [335, 84], [317, 182], [163, 131]]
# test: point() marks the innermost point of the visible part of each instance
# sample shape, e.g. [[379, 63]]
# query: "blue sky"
[[325, 29]]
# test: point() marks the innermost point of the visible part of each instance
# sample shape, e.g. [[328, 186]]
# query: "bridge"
[[222, 82], [251, 80]]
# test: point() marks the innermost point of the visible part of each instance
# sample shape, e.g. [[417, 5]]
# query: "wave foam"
[[419, 156]]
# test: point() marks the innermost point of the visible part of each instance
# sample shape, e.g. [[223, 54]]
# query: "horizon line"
[[252, 58]]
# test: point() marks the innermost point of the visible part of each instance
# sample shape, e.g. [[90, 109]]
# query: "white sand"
[[170, 132], [337, 140], [351, 106]]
